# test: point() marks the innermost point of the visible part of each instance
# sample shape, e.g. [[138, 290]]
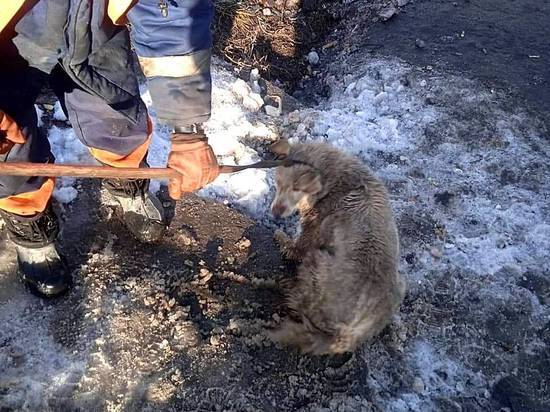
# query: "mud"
[[503, 43]]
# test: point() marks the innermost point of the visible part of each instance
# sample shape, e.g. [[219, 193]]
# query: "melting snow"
[[385, 117]]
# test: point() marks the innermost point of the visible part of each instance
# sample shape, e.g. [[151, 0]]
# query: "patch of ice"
[[227, 129], [373, 113], [441, 378], [253, 102], [65, 194], [67, 149], [313, 58], [39, 114], [58, 113], [33, 368], [240, 88], [250, 99]]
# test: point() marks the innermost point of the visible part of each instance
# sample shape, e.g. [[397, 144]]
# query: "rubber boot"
[[40, 266], [143, 213]]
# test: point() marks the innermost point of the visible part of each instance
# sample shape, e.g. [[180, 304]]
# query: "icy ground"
[[468, 175]]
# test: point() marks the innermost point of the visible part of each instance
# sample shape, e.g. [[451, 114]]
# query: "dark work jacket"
[[171, 38]]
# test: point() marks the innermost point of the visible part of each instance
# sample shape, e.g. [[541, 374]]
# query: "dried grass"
[[248, 38]]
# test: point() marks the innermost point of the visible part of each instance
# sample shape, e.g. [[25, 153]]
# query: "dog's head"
[[297, 185]]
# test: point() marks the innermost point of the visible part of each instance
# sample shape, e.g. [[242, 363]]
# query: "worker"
[[84, 49]]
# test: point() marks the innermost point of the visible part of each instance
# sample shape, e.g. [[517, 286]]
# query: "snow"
[[440, 373], [249, 98], [65, 194], [369, 115], [229, 127], [493, 231], [58, 113], [31, 363], [39, 114], [67, 149]]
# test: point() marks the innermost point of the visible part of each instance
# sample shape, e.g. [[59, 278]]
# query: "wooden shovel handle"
[[103, 172]]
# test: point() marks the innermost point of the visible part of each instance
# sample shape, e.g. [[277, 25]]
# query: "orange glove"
[[195, 161], [9, 133], [5, 144]]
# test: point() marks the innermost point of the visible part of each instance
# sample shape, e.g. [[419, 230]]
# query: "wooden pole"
[[103, 172], [106, 172]]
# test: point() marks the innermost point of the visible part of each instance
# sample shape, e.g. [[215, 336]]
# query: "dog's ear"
[[309, 182], [280, 148]]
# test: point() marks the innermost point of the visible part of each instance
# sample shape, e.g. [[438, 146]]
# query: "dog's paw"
[[281, 237], [287, 245]]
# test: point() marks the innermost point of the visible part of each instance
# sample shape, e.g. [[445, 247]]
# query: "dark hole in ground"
[[410, 258], [444, 198], [274, 36]]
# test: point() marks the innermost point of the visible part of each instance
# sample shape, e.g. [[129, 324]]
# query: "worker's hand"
[[193, 158]]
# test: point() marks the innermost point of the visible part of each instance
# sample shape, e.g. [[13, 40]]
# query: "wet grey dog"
[[348, 286]]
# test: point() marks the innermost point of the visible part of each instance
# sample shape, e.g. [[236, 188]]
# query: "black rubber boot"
[[144, 214], [41, 268]]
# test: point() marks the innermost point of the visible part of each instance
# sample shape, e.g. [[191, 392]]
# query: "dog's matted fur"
[[348, 286]]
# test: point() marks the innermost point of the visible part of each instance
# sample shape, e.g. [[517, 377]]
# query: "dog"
[[348, 286]]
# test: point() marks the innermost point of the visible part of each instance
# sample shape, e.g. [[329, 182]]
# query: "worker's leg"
[[18, 91], [18, 194], [25, 202], [115, 140], [112, 138]]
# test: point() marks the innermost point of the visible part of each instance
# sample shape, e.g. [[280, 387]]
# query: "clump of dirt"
[[272, 35]]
